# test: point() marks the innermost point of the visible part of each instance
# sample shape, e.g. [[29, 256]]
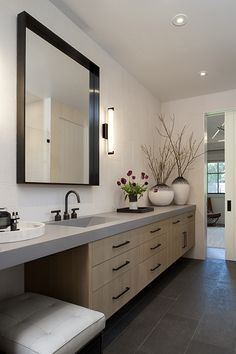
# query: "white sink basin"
[[27, 231]]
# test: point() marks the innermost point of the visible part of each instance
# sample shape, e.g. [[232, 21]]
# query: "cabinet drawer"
[[115, 294], [176, 220], [189, 217], [111, 269], [151, 268], [152, 230], [110, 247], [153, 246]]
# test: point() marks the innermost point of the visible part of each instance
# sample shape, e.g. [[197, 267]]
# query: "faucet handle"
[[57, 216], [74, 214]]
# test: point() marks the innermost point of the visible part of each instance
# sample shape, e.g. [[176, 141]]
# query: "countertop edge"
[[28, 251]]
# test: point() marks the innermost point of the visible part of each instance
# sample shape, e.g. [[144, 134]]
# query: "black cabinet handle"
[[185, 239], [123, 292], [121, 266], [228, 205], [152, 269], [190, 216], [153, 248], [153, 231], [121, 244], [175, 222]]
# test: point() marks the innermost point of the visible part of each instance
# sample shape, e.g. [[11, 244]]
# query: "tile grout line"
[[199, 322], [191, 339], [155, 326]]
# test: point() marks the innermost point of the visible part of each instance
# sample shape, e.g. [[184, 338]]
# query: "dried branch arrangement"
[[161, 161], [185, 152]]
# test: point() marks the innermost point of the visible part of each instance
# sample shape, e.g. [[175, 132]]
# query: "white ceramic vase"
[[161, 195], [181, 189]]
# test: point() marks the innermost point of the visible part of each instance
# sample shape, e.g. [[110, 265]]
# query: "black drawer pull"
[[190, 216], [152, 269], [121, 266], [153, 231], [123, 292], [185, 239], [175, 222], [153, 248], [121, 244]]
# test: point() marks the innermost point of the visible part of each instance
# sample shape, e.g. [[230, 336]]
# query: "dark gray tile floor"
[[190, 308]]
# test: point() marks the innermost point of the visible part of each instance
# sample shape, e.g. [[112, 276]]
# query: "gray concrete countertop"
[[59, 238]]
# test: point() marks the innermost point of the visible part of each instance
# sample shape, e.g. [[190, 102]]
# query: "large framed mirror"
[[57, 109]]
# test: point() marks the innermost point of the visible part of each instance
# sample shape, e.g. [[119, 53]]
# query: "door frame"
[[230, 253]]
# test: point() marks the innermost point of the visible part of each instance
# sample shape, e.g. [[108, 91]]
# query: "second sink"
[[85, 221]]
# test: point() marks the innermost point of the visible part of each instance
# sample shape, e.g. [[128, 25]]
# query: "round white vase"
[[181, 189], [161, 195]]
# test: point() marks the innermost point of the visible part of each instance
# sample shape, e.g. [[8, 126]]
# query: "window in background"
[[216, 177]]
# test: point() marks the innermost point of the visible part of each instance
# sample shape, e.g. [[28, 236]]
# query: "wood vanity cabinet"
[[181, 237], [106, 274]]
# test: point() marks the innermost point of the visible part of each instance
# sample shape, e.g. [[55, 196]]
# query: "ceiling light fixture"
[[179, 20], [203, 73]]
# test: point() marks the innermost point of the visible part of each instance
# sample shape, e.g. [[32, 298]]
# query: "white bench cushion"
[[33, 323]]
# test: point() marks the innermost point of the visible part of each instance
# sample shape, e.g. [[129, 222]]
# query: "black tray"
[[139, 210]]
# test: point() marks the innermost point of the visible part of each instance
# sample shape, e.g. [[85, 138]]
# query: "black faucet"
[[66, 214]]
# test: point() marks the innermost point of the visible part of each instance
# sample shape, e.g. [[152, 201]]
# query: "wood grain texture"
[[85, 275]]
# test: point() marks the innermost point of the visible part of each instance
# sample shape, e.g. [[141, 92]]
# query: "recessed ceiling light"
[[203, 73], [179, 20]]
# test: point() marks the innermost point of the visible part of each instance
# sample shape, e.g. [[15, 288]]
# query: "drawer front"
[[110, 247], [153, 246], [189, 217], [151, 268], [114, 267], [115, 294], [177, 220], [155, 229]]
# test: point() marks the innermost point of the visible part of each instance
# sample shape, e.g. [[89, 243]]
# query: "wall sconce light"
[[108, 131]]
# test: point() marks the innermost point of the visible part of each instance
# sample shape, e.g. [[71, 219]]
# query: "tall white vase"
[[181, 189], [161, 195]]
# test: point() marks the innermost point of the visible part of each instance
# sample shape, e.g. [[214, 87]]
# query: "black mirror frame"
[[24, 21]]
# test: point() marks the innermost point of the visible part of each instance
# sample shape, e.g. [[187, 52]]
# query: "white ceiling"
[[164, 58]]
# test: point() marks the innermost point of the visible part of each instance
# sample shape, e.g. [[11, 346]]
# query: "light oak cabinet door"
[[191, 233], [175, 240]]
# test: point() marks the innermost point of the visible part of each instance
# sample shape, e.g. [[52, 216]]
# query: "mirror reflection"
[[56, 115]]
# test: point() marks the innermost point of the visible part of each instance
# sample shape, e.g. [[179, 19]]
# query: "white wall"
[[191, 111], [135, 113]]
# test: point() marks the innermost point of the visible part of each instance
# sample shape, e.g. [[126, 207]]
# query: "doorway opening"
[[215, 123]]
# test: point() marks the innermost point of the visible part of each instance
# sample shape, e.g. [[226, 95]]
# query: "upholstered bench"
[[32, 323]]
